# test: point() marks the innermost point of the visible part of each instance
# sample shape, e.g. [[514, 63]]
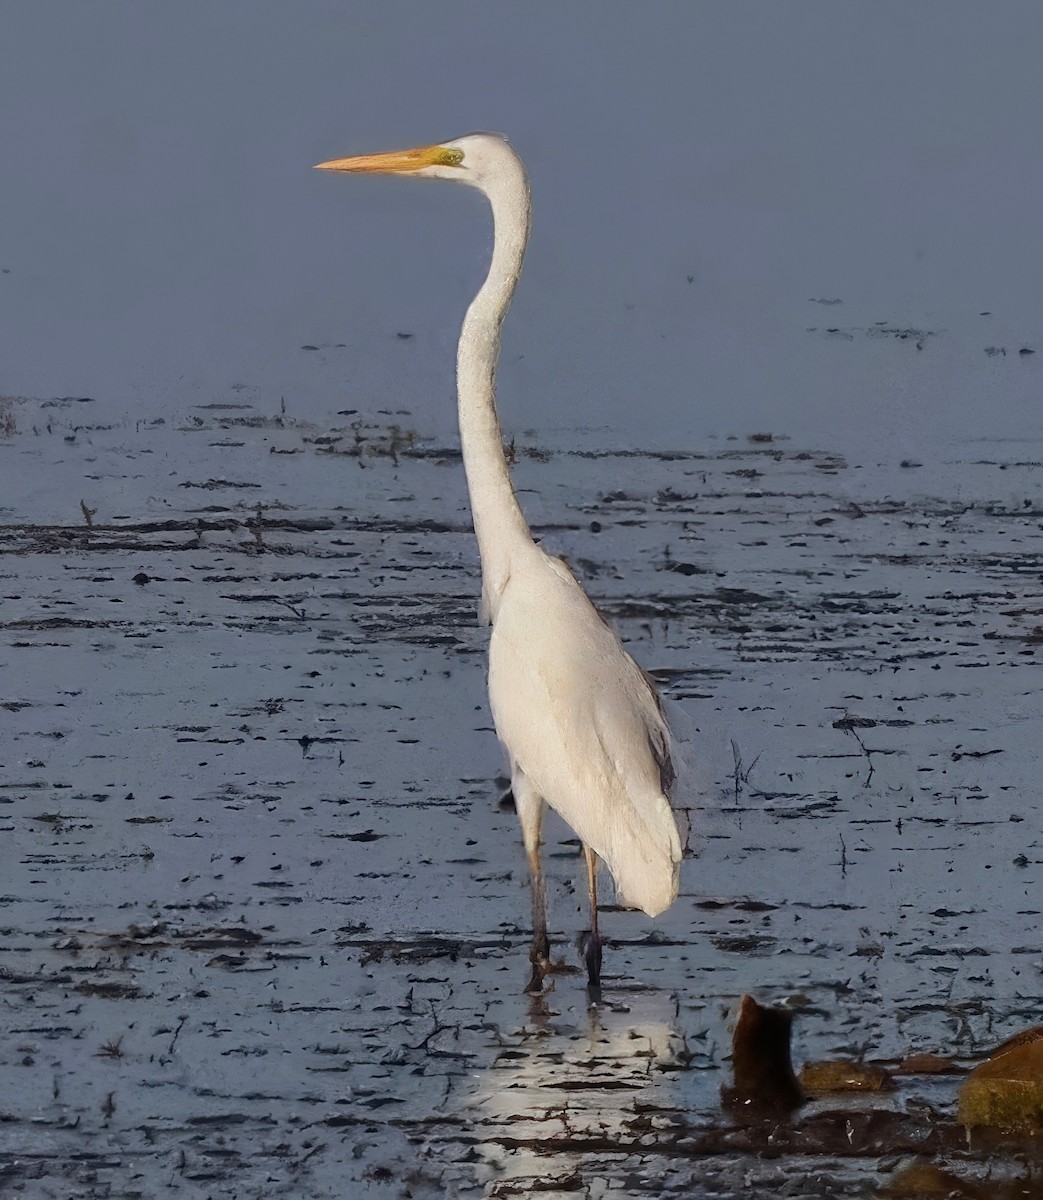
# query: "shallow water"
[[265, 913]]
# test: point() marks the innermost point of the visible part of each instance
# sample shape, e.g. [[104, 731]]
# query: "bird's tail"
[[645, 865]]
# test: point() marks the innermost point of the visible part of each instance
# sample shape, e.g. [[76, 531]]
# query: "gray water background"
[[166, 242]]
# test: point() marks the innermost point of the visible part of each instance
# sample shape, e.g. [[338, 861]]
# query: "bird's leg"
[[539, 954], [530, 814], [592, 943]]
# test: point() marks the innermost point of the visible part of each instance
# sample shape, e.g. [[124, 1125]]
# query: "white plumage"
[[580, 721]]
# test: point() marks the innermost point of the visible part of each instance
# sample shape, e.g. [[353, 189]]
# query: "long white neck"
[[499, 523]]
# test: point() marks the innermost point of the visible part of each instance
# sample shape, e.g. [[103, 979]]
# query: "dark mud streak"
[[264, 916]]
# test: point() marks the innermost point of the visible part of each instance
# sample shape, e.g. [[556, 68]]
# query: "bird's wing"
[[659, 736], [583, 722]]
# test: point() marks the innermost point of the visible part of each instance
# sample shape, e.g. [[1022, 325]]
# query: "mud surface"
[[263, 911]]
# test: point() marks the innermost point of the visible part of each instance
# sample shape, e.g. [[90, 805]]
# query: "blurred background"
[[815, 219]]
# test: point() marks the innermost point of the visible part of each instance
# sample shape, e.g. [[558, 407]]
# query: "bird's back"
[[581, 720]]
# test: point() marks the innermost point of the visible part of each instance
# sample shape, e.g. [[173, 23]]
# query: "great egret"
[[579, 719]]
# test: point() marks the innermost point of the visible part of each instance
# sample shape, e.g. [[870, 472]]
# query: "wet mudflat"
[[264, 910]]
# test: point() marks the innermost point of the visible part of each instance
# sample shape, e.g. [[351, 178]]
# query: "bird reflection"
[[571, 1082]]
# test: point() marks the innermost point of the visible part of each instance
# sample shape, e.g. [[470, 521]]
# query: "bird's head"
[[473, 159]]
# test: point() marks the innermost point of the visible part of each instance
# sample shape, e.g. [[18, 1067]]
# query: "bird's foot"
[[535, 985], [539, 956], [540, 970]]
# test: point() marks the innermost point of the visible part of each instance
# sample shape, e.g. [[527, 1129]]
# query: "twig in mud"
[[177, 1033], [296, 609], [423, 1044], [850, 724], [959, 753], [740, 776], [256, 527], [869, 756], [113, 1049]]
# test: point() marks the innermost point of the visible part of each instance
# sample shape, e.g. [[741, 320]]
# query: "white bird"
[[579, 719]]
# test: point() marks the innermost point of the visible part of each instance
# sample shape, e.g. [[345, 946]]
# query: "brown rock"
[[840, 1075], [1006, 1092]]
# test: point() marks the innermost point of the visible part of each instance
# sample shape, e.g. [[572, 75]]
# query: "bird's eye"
[[451, 157]]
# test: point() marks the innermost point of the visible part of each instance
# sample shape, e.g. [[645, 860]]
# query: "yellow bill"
[[396, 161]]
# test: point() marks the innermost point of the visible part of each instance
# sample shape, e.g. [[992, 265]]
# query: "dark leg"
[[592, 942], [530, 814]]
